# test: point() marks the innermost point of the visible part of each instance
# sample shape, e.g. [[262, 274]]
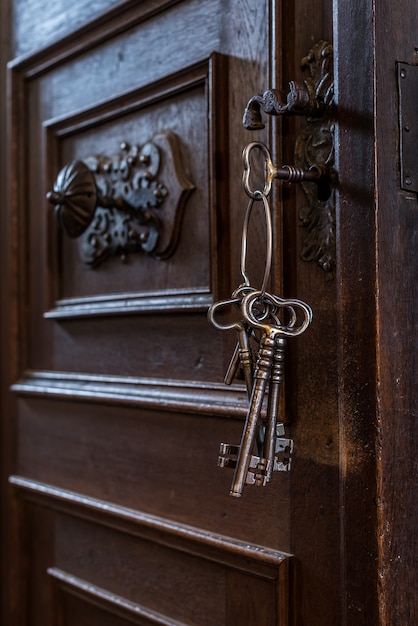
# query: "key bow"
[[292, 306]]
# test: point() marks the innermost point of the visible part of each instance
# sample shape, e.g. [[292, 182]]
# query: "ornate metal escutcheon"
[[314, 147], [118, 205]]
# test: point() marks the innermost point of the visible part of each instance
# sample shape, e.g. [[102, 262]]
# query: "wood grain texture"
[[109, 604], [126, 455], [311, 384], [37, 24], [137, 573], [165, 581], [397, 324], [113, 430], [173, 395], [204, 229], [224, 550], [356, 284], [253, 603], [144, 283], [68, 68]]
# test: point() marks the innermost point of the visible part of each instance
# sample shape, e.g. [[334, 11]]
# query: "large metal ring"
[[269, 241]]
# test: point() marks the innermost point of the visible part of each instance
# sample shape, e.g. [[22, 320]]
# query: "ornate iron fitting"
[[119, 206], [314, 148]]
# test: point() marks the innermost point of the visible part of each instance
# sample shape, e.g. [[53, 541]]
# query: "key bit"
[[258, 467], [280, 429], [228, 455], [282, 455], [257, 472]]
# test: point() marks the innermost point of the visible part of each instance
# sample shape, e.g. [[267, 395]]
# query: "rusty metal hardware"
[[263, 312], [267, 320], [312, 98], [408, 127], [119, 205], [287, 173]]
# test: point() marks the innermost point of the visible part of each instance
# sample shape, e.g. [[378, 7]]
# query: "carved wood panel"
[[112, 401], [140, 282], [119, 401]]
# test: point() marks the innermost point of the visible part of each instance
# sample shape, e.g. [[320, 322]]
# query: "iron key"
[[272, 333]]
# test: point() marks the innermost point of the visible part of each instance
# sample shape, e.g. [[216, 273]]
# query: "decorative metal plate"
[[119, 205], [408, 126], [314, 148]]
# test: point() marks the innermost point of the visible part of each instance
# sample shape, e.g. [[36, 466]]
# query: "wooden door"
[[113, 404]]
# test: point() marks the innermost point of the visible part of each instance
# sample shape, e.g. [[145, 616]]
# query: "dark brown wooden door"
[[113, 404]]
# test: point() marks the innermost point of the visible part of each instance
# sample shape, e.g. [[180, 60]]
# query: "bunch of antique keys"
[[264, 320]]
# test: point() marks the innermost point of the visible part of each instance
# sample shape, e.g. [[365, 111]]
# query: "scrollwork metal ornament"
[[118, 205], [314, 147]]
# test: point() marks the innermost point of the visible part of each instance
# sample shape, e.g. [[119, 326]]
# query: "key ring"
[[236, 299], [258, 195], [291, 330], [269, 172]]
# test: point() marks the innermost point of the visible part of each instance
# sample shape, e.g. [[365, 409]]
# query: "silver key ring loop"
[[269, 241]]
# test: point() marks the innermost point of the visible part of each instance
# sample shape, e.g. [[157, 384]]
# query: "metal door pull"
[[125, 203]]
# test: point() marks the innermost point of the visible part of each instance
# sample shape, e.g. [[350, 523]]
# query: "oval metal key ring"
[[269, 171], [258, 195]]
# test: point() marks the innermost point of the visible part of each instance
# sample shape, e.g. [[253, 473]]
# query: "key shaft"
[[261, 380], [276, 381], [242, 359]]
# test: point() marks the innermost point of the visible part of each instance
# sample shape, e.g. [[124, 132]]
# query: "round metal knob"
[[74, 198]]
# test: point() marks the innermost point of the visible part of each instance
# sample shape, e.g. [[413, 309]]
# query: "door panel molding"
[[243, 556], [135, 613], [61, 418], [200, 84], [150, 393], [128, 303], [110, 23]]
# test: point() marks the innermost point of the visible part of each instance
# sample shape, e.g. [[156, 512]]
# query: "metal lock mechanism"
[[313, 168]]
